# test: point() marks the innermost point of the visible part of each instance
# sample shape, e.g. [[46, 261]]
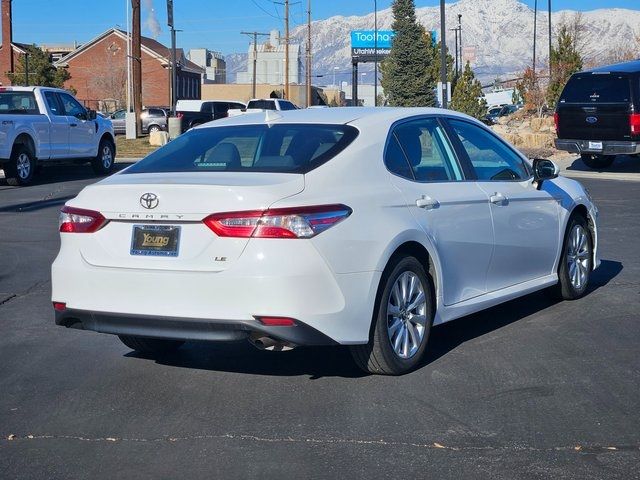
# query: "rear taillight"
[[634, 123], [79, 220], [556, 121], [179, 115], [297, 222]]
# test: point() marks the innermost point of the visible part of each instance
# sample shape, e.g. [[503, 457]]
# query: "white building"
[[213, 63], [270, 65]]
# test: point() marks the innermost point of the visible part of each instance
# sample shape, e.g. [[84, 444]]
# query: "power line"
[[260, 7]]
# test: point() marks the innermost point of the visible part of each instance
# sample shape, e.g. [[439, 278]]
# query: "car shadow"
[[320, 362], [64, 173], [622, 164]]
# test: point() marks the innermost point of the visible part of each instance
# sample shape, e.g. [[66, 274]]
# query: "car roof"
[[334, 115], [624, 67]]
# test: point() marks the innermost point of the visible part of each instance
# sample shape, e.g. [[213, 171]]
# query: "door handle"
[[427, 202], [498, 199], [73, 124]]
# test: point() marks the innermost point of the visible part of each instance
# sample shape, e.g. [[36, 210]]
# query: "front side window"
[[120, 114], [491, 158], [427, 149], [53, 104], [71, 106], [285, 148]]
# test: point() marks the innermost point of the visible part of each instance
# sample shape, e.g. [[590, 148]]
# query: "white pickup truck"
[[41, 125], [258, 105]]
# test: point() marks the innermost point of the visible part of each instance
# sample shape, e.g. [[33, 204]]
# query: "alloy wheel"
[[107, 157], [23, 166], [406, 315], [578, 257]]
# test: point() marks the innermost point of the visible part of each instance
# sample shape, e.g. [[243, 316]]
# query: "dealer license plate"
[[155, 240]]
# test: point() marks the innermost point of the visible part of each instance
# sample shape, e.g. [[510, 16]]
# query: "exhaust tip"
[[267, 343]]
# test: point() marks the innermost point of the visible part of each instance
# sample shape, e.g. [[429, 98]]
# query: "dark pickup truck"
[[197, 112], [598, 114]]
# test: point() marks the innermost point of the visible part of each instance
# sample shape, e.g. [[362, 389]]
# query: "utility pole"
[[309, 102], [443, 55], [460, 40], [550, 44], [455, 31], [535, 31], [286, 49], [174, 74], [126, 6], [136, 53], [254, 35], [26, 69], [375, 50]]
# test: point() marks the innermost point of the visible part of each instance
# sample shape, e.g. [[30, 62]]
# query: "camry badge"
[[149, 200], [592, 120]]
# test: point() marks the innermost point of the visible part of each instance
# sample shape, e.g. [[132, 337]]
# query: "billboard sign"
[[363, 44]]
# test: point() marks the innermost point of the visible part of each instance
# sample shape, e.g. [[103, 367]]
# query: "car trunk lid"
[[166, 207]]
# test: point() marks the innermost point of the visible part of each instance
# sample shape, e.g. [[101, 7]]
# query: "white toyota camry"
[[352, 226]]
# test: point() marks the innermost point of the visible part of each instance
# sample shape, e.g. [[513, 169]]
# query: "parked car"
[[598, 114], [151, 119], [258, 105], [41, 125], [494, 113], [355, 226], [197, 112]]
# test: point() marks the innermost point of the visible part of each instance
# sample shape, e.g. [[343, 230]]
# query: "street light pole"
[[535, 31], [550, 45], [443, 55], [375, 54]]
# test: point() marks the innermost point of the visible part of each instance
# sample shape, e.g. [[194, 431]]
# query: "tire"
[[105, 160], [21, 168], [597, 161], [150, 345], [154, 128], [380, 356], [577, 250]]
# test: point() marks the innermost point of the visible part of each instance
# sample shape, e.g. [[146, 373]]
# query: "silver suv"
[[153, 120]]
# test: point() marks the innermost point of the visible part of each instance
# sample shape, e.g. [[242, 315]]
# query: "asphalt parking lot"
[[529, 389]]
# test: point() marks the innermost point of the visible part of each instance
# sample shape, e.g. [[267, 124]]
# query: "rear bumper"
[[266, 280], [187, 329], [612, 147]]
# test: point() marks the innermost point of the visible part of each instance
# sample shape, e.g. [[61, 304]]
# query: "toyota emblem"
[[149, 200]]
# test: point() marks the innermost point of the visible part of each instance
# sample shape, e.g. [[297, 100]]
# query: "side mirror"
[[91, 114], [544, 169]]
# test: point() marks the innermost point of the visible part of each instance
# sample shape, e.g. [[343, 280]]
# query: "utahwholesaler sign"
[[363, 44]]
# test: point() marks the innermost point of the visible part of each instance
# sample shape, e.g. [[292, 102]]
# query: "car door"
[[59, 136], [118, 121], [452, 211], [525, 219], [82, 132]]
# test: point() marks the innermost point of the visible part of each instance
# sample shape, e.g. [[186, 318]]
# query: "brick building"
[[98, 72], [8, 56]]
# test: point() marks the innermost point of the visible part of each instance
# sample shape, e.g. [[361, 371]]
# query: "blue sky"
[[214, 24]]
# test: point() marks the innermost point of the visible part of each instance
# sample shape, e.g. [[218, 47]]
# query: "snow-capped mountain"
[[501, 31]]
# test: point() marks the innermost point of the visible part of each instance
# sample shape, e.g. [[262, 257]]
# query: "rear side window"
[[597, 88], [262, 104], [16, 103], [284, 105], [286, 148]]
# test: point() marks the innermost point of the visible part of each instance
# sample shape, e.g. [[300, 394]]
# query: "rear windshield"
[[290, 148], [262, 104], [18, 103], [597, 88]]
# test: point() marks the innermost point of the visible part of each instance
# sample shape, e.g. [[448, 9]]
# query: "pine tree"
[[406, 69], [467, 97], [565, 61], [41, 70], [434, 69]]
